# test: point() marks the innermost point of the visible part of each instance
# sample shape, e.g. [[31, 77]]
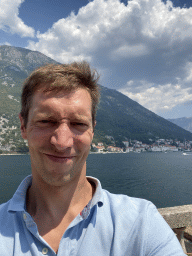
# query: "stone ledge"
[[178, 216], [188, 233]]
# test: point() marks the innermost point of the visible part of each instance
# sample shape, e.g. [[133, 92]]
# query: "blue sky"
[[143, 48]]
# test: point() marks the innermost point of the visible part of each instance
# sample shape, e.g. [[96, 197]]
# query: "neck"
[[57, 201]]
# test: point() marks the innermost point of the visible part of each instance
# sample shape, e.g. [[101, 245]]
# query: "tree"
[[22, 148]]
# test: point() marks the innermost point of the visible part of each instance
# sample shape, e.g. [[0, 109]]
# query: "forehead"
[[78, 100]]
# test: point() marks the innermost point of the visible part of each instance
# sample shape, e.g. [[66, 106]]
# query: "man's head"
[[67, 78], [57, 119]]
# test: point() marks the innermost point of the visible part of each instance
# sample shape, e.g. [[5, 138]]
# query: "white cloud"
[[127, 51], [188, 68], [145, 40], [136, 27], [10, 21], [108, 30], [81, 35], [158, 98], [5, 43]]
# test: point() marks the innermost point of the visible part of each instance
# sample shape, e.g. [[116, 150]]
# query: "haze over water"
[[163, 178]]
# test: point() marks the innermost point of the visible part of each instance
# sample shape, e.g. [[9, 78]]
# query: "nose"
[[62, 138]]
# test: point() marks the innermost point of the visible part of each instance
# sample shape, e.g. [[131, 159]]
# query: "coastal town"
[[160, 145]]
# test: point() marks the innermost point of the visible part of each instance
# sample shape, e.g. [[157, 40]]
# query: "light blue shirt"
[[110, 225]]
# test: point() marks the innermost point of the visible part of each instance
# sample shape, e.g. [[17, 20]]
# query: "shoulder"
[[139, 222], [4, 208], [131, 205], [7, 230], [133, 211], [126, 212], [6, 215]]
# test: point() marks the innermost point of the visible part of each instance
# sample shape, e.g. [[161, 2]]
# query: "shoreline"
[[170, 151], [16, 154]]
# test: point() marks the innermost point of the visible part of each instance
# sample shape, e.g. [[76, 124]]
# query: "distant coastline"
[[13, 154]]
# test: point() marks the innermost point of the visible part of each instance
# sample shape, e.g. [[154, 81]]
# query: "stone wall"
[[179, 219]]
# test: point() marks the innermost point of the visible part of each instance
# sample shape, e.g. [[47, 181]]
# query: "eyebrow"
[[46, 112], [48, 115]]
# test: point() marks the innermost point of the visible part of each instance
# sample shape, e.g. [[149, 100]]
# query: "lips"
[[59, 159]]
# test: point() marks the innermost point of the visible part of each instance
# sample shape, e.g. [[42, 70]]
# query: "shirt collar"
[[17, 202], [98, 195]]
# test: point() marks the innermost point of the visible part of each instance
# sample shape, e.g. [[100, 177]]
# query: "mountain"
[[119, 118], [184, 122], [15, 65], [122, 118]]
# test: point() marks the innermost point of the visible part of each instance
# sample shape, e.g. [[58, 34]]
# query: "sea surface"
[[163, 178]]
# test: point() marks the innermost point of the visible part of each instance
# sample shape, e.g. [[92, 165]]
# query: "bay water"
[[163, 178]]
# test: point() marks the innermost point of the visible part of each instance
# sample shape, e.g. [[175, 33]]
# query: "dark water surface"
[[163, 178]]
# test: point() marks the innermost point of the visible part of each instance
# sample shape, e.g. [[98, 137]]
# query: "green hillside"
[[123, 118]]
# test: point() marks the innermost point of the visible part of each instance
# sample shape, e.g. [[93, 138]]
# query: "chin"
[[58, 179]]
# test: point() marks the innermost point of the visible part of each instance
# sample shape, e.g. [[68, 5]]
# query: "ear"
[[94, 126], [23, 129]]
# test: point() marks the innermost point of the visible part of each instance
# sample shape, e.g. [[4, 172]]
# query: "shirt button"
[[24, 216], [45, 251]]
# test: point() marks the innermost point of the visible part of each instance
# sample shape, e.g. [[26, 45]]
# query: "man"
[[58, 210]]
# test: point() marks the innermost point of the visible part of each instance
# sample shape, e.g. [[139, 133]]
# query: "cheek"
[[38, 138], [84, 140]]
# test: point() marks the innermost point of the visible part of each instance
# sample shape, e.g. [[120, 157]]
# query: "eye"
[[47, 122], [79, 125], [44, 121]]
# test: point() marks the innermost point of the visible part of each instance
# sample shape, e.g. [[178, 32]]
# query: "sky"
[[142, 48]]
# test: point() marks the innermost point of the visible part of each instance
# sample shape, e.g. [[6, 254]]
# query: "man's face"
[[59, 133]]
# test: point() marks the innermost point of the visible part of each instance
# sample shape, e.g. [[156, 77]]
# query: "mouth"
[[59, 159]]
